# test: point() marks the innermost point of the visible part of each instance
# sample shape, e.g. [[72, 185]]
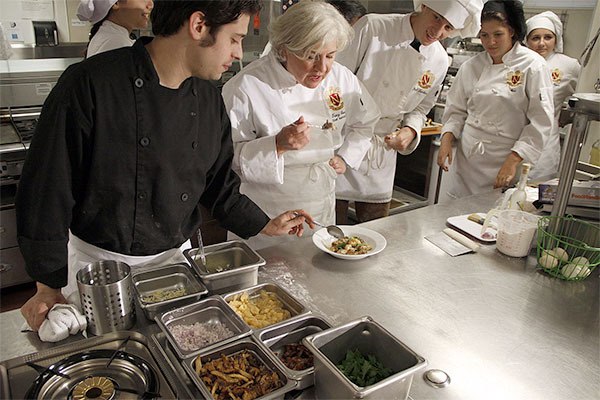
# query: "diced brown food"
[[237, 376], [297, 357]]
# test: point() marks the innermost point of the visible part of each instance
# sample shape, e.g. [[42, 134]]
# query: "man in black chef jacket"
[[129, 145]]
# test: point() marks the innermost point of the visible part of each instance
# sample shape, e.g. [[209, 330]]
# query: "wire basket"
[[567, 248]]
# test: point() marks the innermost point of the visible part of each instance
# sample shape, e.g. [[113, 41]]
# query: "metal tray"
[[229, 266], [295, 307], [211, 309], [250, 345], [172, 276], [330, 346], [293, 331]]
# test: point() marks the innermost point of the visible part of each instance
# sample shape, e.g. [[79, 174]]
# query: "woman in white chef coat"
[[544, 36], [113, 21], [278, 105], [499, 108]]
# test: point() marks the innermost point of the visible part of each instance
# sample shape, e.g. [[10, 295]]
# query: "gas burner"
[[97, 375], [93, 387]]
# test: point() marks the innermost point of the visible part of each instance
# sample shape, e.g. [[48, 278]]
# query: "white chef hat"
[[464, 15], [547, 20], [94, 10]]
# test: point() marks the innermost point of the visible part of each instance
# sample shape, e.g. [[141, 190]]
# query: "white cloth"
[[564, 72], [82, 253], [61, 321], [404, 84], [94, 10], [547, 20], [262, 99], [493, 109], [464, 15], [110, 36]]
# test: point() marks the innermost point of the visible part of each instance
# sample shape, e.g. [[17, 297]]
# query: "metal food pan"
[[329, 348], [229, 266], [238, 346], [172, 276], [293, 331], [295, 307], [211, 309]]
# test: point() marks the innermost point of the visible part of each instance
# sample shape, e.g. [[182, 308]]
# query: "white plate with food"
[[357, 244]]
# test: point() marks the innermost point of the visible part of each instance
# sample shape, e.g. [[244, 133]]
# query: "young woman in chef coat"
[[113, 21], [544, 36], [499, 109], [279, 104]]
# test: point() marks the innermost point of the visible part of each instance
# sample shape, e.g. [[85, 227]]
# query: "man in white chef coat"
[[402, 64]]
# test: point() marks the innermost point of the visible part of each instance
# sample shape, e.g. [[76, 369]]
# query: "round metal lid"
[[436, 378]]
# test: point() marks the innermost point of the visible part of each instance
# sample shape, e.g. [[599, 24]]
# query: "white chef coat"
[[110, 36], [262, 99], [404, 84], [564, 72], [493, 109]]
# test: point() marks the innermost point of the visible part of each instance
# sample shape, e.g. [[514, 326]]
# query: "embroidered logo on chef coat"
[[426, 80], [556, 76], [334, 98], [514, 79]]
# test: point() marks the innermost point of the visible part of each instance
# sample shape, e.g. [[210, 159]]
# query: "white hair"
[[307, 27]]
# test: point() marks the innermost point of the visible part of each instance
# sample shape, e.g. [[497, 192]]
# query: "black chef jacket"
[[125, 163]]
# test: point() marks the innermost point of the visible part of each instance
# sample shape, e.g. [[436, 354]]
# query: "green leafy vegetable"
[[363, 371]]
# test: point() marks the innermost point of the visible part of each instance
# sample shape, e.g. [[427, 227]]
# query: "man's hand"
[[508, 171], [445, 150], [292, 137], [401, 139], [338, 164], [290, 222], [37, 307]]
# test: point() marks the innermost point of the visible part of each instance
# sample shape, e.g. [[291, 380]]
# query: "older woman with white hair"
[[544, 36], [299, 118], [113, 22]]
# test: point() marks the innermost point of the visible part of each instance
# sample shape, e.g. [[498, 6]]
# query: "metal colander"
[[105, 289], [567, 248]]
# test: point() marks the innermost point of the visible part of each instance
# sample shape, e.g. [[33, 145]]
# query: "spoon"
[[333, 230]]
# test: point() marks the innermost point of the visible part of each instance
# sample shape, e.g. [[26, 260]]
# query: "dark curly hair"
[[168, 16], [509, 12]]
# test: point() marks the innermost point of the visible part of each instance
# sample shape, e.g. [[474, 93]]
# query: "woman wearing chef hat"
[[499, 109], [402, 64], [113, 21], [544, 36]]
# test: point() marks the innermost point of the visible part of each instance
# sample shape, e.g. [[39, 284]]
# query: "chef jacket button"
[[386, 84], [142, 195], [139, 82], [494, 91], [157, 224], [144, 141], [193, 113], [477, 90], [194, 92], [194, 145], [185, 197], [490, 123]]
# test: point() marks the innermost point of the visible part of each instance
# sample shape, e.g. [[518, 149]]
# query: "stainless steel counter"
[[498, 327]]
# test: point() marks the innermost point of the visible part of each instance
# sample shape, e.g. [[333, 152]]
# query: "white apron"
[[82, 253], [403, 83]]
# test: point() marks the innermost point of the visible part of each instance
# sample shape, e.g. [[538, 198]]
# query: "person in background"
[[499, 108], [544, 36], [113, 21], [402, 64], [351, 10], [128, 145], [299, 119]]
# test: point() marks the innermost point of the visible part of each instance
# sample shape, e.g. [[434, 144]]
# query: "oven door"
[[12, 264]]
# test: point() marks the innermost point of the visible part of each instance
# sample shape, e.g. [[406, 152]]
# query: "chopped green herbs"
[[363, 371]]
